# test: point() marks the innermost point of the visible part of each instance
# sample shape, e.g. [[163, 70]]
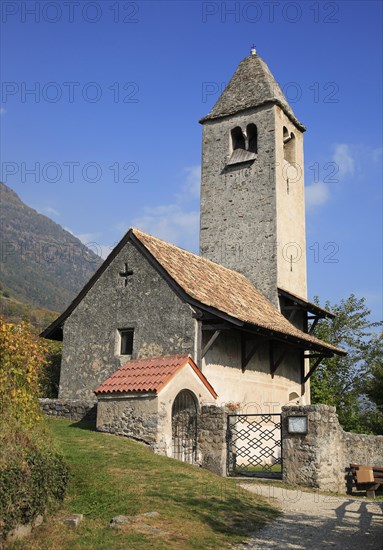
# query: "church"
[[159, 331]]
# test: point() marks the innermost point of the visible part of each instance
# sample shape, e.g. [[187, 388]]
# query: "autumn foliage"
[[22, 360], [33, 475]]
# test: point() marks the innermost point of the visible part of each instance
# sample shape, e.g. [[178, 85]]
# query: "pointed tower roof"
[[251, 85]]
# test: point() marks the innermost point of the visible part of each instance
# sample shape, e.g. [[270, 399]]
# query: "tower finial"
[[253, 51]]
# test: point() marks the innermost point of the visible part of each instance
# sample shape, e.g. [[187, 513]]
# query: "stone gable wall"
[[321, 457], [162, 324]]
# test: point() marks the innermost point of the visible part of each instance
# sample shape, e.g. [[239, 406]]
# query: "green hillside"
[[41, 264]]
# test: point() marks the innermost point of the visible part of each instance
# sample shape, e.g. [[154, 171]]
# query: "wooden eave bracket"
[[316, 319], [274, 364], [246, 357], [319, 359], [210, 343]]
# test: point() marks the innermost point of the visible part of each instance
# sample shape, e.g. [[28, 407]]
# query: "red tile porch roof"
[[149, 375]]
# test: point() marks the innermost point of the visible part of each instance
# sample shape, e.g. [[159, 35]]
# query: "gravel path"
[[314, 521]]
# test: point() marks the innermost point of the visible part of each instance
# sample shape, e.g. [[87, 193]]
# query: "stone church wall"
[[321, 457], [162, 324]]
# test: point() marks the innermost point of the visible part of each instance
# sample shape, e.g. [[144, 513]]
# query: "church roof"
[[252, 85], [222, 289], [205, 285], [149, 375]]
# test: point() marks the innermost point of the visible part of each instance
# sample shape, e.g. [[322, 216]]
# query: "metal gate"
[[254, 445], [184, 427]]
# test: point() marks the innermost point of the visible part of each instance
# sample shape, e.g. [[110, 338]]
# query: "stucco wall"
[[320, 458], [185, 379], [162, 323], [290, 201], [255, 389]]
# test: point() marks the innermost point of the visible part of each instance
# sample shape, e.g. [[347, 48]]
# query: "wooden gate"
[[184, 427]]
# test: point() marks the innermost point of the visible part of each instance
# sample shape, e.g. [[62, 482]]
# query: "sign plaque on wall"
[[297, 424]]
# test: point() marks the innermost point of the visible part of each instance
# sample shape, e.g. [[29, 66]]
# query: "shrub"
[[33, 475], [22, 358]]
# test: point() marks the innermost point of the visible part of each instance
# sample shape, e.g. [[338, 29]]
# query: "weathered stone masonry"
[[70, 409], [212, 429], [131, 416], [320, 458], [162, 324]]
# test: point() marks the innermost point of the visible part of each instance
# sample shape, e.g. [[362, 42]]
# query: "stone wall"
[[141, 418], [132, 416], [212, 428], [70, 409], [321, 457]]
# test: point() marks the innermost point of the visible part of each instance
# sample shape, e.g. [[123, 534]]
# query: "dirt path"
[[316, 522]]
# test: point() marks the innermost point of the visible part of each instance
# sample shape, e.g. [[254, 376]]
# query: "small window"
[[288, 146], [251, 131], [126, 341], [243, 144], [237, 138]]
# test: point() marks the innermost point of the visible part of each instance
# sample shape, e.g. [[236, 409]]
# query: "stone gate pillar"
[[316, 458], [212, 428]]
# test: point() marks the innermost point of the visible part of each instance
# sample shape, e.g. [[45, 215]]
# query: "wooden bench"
[[365, 478]]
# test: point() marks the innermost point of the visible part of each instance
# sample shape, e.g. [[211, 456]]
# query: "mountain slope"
[[40, 262]]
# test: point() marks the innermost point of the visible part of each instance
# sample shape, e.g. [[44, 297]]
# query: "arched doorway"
[[184, 427]]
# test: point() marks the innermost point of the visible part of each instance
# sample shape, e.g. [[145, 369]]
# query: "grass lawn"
[[275, 469], [113, 475]]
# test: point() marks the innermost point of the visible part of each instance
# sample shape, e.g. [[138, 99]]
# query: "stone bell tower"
[[252, 190]]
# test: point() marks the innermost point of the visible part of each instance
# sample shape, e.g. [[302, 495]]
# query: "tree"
[[342, 381], [374, 385]]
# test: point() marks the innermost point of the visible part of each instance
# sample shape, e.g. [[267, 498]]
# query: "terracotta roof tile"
[[223, 289], [149, 375]]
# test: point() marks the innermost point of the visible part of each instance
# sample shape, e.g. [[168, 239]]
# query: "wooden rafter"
[[217, 326]]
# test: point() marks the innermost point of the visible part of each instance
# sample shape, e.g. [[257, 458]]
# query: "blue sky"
[[112, 130]]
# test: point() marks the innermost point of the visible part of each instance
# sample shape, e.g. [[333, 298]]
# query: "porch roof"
[[149, 375]]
